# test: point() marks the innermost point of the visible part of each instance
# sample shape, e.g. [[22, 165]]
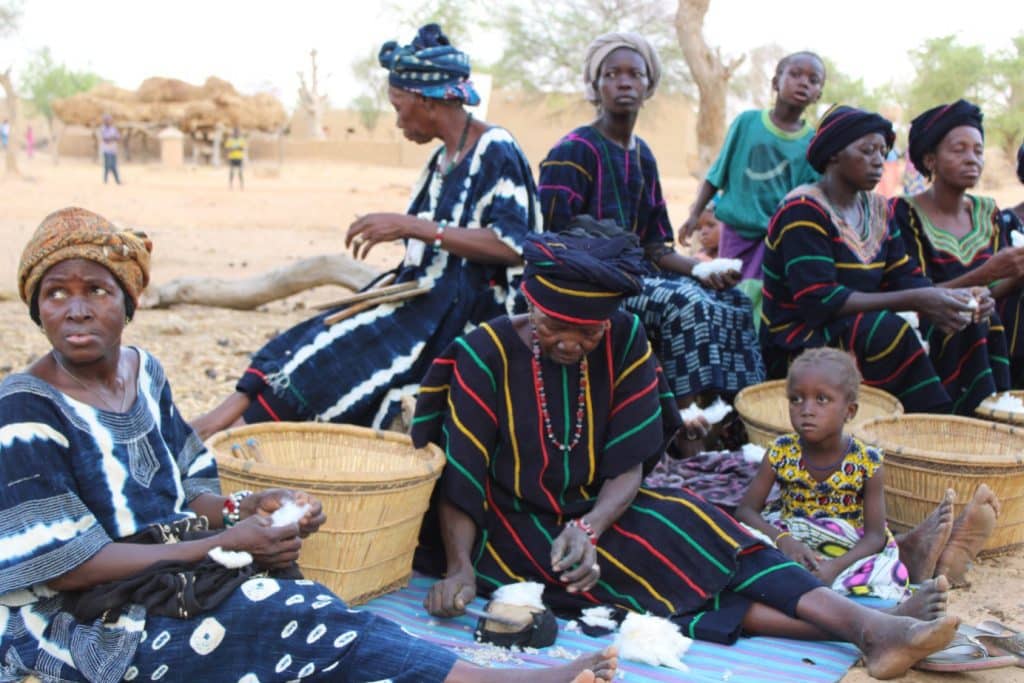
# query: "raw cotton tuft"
[[1007, 402], [719, 265], [599, 617], [652, 640], [290, 512], [714, 413], [1017, 238], [524, 594], [915, 323], [232, 559], [752, 452]]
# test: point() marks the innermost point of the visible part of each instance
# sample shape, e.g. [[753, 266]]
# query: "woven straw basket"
[[986, 409], [374, 486], [765, 410], [927, 454]]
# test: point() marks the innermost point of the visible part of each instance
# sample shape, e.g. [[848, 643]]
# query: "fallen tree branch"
[[247, 294]]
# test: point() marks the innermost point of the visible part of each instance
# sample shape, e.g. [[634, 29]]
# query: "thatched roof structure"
[[161, 102]]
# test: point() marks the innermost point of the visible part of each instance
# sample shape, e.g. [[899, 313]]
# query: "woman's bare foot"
[[893, 644], [921, 547], [928, 602], [970, 531], [596, 667]]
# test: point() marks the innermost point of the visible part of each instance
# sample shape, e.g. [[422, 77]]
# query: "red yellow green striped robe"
[[670, 553]]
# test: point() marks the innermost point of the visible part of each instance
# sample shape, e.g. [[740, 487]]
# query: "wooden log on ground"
[[247, 294]]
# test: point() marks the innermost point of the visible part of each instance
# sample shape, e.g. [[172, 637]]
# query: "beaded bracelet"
[[232, 509], [781, 535], [584, 526], [441, 225]]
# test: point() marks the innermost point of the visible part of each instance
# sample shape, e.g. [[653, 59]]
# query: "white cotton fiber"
[[972, 303], [752, 452], [714, 413], [1006, 402], [915, 322], [232, 559], [652, 640], [719, 265], [599, 617], [1017, 238], [290, 512], [524, 594]]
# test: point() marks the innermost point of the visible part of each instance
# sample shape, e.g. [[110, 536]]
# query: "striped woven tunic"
[[814, 261], [670, 553], [944, 257], [358, 370]]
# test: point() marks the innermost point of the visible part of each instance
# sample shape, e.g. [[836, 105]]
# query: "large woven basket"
[[764, 409], [927, 454], [374, 486], [987, 409]]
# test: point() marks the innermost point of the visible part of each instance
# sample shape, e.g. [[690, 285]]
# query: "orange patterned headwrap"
[[77, 233]]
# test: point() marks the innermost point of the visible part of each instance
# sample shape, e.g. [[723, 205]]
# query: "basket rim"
[[862, 432], [431, 455], [749, 393], [1004, 415]]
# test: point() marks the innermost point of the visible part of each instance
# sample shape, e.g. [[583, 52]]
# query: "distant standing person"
[[110, 136], [235, 146], [763, 158], [30, 141], [5, 133]]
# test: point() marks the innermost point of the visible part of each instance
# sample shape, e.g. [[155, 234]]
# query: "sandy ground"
[[199, 227]]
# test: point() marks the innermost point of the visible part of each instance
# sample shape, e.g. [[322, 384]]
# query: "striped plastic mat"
[[751, 660]]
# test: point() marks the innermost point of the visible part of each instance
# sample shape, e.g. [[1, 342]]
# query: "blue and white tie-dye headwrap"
[[430, 67]]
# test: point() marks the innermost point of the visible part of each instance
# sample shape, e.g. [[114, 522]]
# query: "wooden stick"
[[371, 294], [359, 308]]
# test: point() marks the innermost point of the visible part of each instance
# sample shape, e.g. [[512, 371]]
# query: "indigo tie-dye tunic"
[[74, 479], [358, 370]]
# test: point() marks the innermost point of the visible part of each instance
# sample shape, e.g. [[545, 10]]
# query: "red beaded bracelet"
[[584, 526], [440, 233]]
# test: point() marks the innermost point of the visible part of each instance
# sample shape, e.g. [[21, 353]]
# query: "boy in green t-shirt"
[[763, 158]]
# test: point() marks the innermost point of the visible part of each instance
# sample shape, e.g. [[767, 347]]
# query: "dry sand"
[[199, 227]]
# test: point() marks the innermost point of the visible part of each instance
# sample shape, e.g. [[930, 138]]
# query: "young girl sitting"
[[831, 511]]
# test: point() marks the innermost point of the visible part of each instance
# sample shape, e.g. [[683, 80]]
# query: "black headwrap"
[[581, 276], [840, 126], [1020, 162], [928, 129], [431, 66]]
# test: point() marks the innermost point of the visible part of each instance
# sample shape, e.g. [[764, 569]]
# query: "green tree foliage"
[[841, 88], [43, 81], [373, 100], [1005, 117], [945, 71], [10, 13], [545, 41]]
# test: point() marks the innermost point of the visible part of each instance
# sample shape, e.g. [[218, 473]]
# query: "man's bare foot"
[[970, 531], [893, 644], [921, 547], [928, 602], [596, 667]]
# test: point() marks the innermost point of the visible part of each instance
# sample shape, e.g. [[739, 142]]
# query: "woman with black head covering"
[[960, 239], [835, 274], [463, 231], [549, 421]]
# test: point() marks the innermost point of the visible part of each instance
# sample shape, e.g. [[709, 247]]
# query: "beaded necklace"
[[581, 399]]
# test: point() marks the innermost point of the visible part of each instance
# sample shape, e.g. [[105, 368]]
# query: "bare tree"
[[9, 15], [310, 99], [710, 73]]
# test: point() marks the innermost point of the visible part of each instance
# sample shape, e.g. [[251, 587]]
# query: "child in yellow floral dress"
[[832, 503]]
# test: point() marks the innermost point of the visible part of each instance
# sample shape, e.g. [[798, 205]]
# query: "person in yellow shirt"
[[235, 146]]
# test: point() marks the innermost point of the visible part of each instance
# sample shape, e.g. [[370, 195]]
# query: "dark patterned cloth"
[[430, 66], [670, 553], [719, 477], [841, 126], [814, 261], [358, 370], [944, 257], [929, 127], [77, 233], [704, 338]]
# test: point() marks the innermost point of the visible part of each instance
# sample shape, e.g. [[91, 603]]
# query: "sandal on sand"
[[999, 639], [964, 653]]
